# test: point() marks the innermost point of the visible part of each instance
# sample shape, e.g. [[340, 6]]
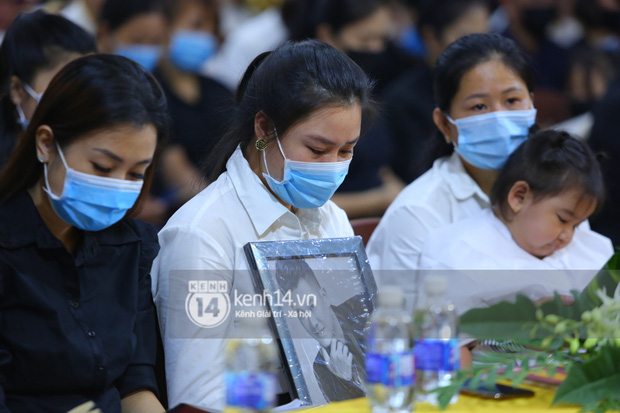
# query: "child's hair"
[[551, 162]]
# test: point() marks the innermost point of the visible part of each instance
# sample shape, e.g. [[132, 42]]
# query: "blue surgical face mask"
[[486, 141], [190, 49], [22, 117], [307, 184], [91, 202], [146, 55]]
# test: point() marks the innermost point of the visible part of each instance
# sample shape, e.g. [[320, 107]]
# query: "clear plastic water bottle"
[[390, 370], [436, 344], [251, 366]]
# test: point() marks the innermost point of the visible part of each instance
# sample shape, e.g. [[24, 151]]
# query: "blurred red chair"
[[364, 227]]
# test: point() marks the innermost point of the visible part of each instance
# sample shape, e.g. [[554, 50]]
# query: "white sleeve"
[[194, 355], [397, 241]]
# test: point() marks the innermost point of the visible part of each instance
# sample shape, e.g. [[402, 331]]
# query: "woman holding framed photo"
[[299, 115]]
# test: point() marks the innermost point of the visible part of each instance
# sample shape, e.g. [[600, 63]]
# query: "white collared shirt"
[[77, 11], [444, 194], [489, 266], [209, 233]]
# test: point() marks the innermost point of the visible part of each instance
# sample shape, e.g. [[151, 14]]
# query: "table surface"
[[541, 402]]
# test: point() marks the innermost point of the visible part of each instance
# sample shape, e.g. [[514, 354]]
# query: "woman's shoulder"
[[429, 188], [218, 199]]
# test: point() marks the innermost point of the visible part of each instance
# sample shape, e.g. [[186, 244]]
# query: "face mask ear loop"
[[62, 157], [452, 121], [22, 116], [33, 94], [47, 188], [281, 151]]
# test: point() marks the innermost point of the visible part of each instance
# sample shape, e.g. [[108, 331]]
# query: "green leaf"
[[607, 278], [446, 393], [500, 321], [593, 381]]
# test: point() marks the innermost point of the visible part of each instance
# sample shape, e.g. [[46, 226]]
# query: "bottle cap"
[[435, 284], [391, 296]]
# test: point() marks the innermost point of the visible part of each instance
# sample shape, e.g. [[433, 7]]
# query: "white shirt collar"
[[461, 184], [262, 206]]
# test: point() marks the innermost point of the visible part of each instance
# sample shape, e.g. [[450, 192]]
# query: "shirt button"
[[91, 333], [101, 367], [75, 304]]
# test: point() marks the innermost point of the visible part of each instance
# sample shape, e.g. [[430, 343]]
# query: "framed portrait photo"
[[320, 294]]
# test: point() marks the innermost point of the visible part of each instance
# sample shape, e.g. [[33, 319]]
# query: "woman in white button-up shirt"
[[531, 242], [477, 75], [298, 117]]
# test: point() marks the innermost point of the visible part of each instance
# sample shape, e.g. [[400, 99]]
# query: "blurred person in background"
[[134, 29], [137, 29], [198, 105], [528, 24], [409, 99], [36, 46], [257, 34], [604, 137], [9, 9], [364, 30], [84, 13], [593, 62], [601, 22]]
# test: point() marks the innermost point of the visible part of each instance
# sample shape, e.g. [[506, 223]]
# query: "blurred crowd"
[[199, 49]]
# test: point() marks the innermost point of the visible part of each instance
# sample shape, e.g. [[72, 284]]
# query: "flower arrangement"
[[583, 338]]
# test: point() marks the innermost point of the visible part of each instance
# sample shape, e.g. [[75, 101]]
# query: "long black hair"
[[289, 85], [34, 41], [463, 55], [92, 93]]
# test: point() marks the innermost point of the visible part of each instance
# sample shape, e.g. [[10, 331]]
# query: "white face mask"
[[22, 117]]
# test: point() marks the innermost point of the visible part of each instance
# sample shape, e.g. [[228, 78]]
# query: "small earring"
[[261, 144]]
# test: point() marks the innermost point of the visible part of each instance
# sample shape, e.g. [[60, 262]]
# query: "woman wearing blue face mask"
[[199, 106], [483, 91], [134, 29], [77, 322], [35, 48], [298, 118]]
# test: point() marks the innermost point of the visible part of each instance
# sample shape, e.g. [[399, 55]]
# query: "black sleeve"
[[5, 356], [140, 374]]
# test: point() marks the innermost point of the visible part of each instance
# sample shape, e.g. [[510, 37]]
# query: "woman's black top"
[[73, 327]]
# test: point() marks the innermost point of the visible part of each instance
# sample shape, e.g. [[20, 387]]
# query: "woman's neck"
[[67, 234], [485, 178], [255, 159], [185, 85]]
